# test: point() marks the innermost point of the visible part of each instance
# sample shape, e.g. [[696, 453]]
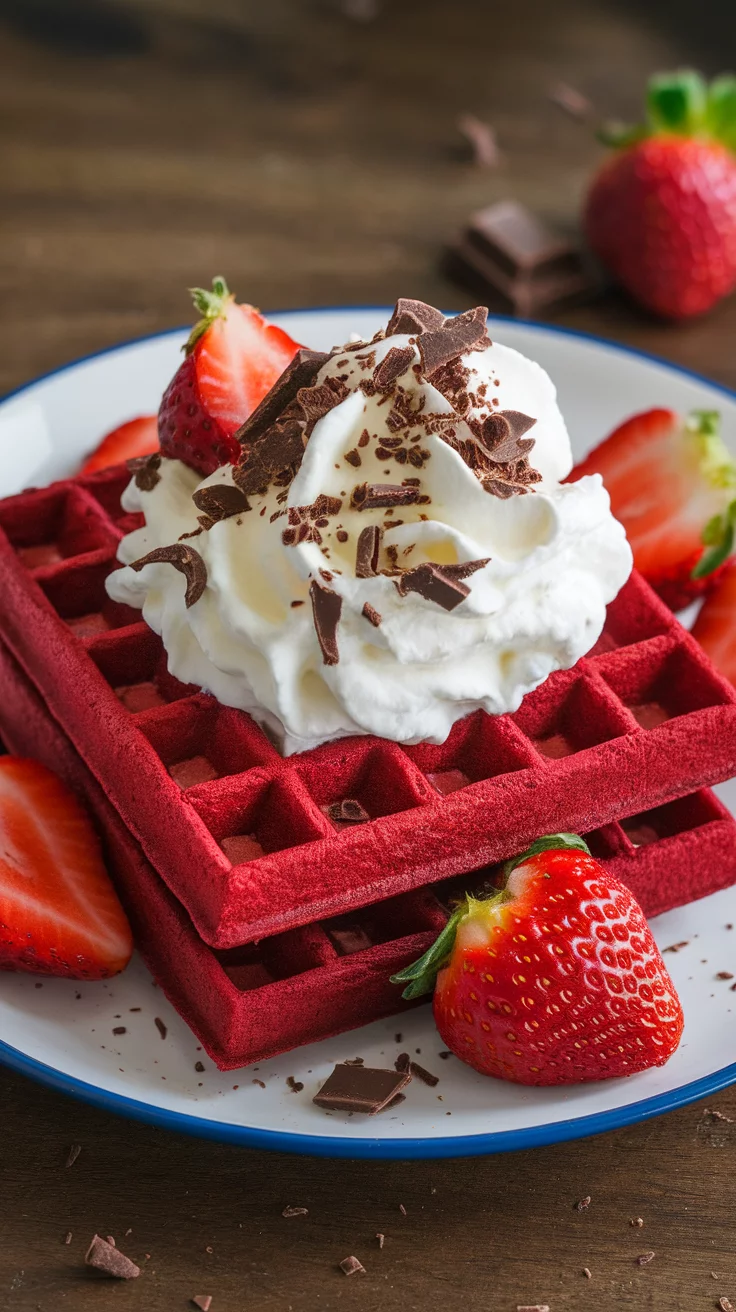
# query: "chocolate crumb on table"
[[73, 1154], [587, 1273], [583, 1205], [351, 1266], [637, 1222], [533, 1307], [67, 1237], [203, 1302], [482, 140], [645, 1258], [381, 1239], [295, 1211], [725, 1305]]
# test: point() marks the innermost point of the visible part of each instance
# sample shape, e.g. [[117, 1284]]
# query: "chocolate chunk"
[[119, 1029], [367, 551], [110, 1261], [145, 469], [456, 337], [421, 1073], [411, 316], [371, 614], [186, 560], [220, 501], [279, 449], [316, 402], [366, 1089], [160, 1026], [199, 1066], [403, 1062], [348, 811], [300, 372], [351, 1266], [516, 260], [393, 365], [430, 582], [326, 609], [295, 1085], [203, 1302], [502, 435], [374, 496]]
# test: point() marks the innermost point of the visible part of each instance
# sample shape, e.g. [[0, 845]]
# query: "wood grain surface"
[[309, 151]]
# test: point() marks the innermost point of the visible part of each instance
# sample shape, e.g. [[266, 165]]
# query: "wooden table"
[[313, 159]]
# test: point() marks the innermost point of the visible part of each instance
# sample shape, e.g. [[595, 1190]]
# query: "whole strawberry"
[[556, 979], [661, 212], [233, 357]]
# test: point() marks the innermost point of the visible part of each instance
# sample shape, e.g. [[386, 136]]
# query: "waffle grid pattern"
[[242, 837], [310, 983]]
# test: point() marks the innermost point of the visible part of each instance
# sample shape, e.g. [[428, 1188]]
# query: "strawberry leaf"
[[718, 535], [550, 842], [210, 306], [421, 975], [676, 102], [721, 110]]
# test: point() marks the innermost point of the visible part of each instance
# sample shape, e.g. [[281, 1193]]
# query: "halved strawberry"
[[139, 437], [233, 358], [715, 627], [59, 913], [554, 980], [672, 484]]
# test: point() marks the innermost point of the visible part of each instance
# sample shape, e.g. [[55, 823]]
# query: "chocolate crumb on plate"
[[367, 1089], [645, 1258], [110, 1261], [351, 1266], [403, 1061], [421, 1073], [295, 1085], [73, 1154], [119, 1029], [203, 1302], [295, 1211], [724, 974], [259, 1083], [160, 1026], [199, 1066], [677, 947]]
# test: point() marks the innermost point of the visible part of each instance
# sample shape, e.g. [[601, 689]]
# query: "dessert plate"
[[62, 1033]]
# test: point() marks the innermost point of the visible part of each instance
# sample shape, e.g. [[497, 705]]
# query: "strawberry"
[[661, 212], [672, 484], [139, 437], [59, 913], [715, 627], [555, 979], [233, 358]]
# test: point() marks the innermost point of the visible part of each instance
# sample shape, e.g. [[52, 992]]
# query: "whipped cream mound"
[[393, 550]]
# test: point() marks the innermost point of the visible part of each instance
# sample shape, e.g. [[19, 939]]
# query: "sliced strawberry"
[[672, 485], [715, 627], [233, 358], [139, 437], [59, 913], [556, 979]]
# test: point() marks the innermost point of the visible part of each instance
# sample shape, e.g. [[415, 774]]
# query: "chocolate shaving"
[[360, 1089], [326, 609], [381, 1239], [160, 1026], [186, 560], [73, 1154], [300, 372], [411, 316], [431, 583], [374, 496], [295, 1085], [220, 501], [351, 1265], [349, 811], [464, 569], [393, 365], [455, 337], [295, 1211], [371, 614], [145, 470], [421, 1073], [367, 551], [502, 435], [644, 1258], [110, 1261]]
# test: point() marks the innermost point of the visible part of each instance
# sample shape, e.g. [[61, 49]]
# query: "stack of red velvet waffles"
[[270, 917]]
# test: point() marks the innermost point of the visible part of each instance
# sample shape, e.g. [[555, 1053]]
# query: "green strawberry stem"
[[719, 534], [682, 104], [421, 975], [210, 305]]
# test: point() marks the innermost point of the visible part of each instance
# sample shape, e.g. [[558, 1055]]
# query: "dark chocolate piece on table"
[[108, 1260], [366, 555], [299, 372], [326, 609], [518, 262], [414, 317], [457, 336], [351, 1266], [220, 501], [430, 582], [366, 1089], [186, 560]]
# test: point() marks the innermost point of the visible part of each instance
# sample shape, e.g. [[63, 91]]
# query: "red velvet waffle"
[[642, 720], [316, 981]]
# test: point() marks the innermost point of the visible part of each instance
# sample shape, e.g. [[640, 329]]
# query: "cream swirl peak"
[[392, 550]]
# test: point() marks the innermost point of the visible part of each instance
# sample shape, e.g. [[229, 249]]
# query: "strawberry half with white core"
[[59, 913], [554, 980], [672, 484], [233, 358]]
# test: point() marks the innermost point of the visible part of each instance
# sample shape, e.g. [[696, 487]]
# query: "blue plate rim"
[[325, 1145]]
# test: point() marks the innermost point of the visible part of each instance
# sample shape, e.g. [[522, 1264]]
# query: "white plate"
[[65, 1040]]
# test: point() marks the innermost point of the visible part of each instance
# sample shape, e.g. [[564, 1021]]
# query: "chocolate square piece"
[[360, 1089], [518, 260]]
